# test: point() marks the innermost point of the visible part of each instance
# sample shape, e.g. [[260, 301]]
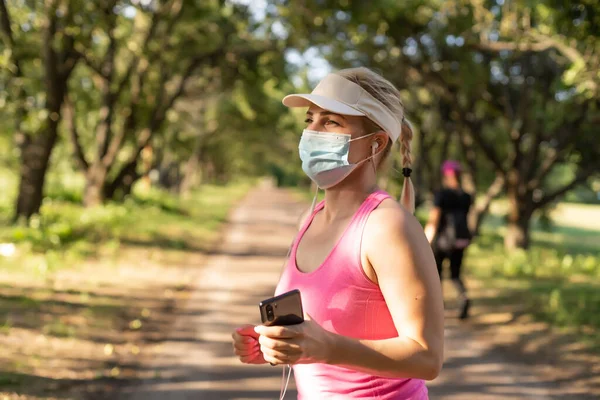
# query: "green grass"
[[557, 280], [8, 379], [57, 328], [65, 232]]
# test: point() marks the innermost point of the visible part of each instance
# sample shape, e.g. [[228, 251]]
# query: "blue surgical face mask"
[[324, 157]]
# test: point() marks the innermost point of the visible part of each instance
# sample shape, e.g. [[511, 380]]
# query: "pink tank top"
[[341, 298]]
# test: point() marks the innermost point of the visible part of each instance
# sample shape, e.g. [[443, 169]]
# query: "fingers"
[[286, 346], [244, 342], [274, 344], [253, 359], [276, 357], [246, 352], [256, 357], [278, 332], [279, 351], [246, 330]]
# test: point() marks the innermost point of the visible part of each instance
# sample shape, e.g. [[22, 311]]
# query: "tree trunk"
[[519, 214], [35, 156], [517, 235], [36, 148], [122, 185], [192, 170], [94, 185]]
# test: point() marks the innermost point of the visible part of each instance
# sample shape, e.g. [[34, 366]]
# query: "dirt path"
[[197, 361]]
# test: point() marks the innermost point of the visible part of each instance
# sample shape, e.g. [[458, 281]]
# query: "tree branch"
[[209, 58], [475, 128], [542, 43], [466, 143], [17, 73], [68, 56], [135, 61], [130, 121], [91, 63], [581, 177], [104, 129], [537, 127], [71, 122], [558, 152], [160, 110], [50, 58], [5, 28], [545, 168], [482, 209]]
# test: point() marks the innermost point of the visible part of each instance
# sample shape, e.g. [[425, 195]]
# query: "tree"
[[38, 45], [143, 62], [544, 95]]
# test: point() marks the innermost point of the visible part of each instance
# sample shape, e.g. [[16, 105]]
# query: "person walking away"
[[448, 231]]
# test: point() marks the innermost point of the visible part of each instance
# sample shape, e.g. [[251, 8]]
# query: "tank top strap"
[[320, 205], [352, 240], [371, 203]]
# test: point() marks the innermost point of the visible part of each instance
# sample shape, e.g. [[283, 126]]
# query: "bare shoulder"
[[390, 219], [393, 234]]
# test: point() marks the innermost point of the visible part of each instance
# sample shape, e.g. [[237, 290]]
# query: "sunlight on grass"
[[557, 279], [57, 328], [65, 233]]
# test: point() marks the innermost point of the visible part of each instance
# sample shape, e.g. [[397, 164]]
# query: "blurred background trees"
[[178, 93]]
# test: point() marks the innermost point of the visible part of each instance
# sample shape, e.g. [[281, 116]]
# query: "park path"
[[197, 362]]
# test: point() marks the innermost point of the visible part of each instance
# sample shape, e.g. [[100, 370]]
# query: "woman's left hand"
[[305, 343]]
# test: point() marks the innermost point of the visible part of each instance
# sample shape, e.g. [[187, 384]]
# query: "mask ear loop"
[[374, 147]]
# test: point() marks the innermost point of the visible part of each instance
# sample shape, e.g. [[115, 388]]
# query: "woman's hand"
[[245, 345], [304, 343]]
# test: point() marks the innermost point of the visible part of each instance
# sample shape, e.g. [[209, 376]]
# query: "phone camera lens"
[[270, 315]]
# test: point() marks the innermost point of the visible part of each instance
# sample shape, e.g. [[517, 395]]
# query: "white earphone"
[[374, 146]]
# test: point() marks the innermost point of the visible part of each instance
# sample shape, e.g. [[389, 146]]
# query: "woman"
[[447, 229], [374, 323]]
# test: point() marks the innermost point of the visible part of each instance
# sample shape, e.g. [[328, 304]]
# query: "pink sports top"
[[339, 296]]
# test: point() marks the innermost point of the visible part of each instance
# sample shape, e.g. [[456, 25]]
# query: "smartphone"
[[285, 309]]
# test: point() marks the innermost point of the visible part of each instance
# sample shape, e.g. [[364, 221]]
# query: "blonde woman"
[[374, 326]]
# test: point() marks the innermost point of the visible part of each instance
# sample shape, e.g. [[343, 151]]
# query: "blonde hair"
[[384, 91]]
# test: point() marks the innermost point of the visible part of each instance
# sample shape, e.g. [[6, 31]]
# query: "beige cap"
[[339, 95]]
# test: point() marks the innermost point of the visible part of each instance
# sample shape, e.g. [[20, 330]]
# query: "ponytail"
[[385, 92], [407, 198]]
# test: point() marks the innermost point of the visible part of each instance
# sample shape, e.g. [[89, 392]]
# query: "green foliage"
[[569, 305], [538, 262], [555, 280], [64, 233], [562, 303]]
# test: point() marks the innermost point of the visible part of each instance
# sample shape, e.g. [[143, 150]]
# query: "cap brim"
[[326, 103]]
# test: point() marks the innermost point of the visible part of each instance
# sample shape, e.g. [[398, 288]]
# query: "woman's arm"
[[401, 257], [432, 223]]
